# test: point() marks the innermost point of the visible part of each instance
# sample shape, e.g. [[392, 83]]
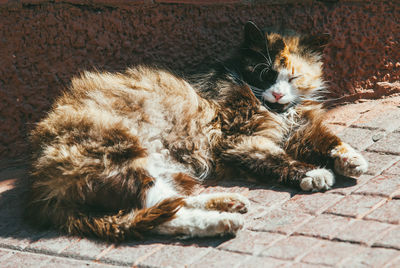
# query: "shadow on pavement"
[[15, 233]]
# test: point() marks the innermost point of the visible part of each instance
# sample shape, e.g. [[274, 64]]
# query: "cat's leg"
[[265, 159], [192, 222], [316, 144], [197, 217], [229, 202]]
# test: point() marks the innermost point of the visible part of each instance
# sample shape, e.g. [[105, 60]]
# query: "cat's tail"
[[118, 227]]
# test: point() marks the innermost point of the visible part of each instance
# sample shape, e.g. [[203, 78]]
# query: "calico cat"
[[120, 154]]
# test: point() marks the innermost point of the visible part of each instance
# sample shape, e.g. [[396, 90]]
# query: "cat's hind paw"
[[228, 202], [317, 180], [201, 223], [348, 162]]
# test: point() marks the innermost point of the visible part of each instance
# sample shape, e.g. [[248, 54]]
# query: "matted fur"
[[119, 153]]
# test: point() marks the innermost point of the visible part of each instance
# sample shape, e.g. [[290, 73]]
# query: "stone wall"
[[44, 43]]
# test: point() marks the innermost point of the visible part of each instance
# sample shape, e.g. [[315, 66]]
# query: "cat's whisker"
[[259, 90], [257, 93], [268, 61], [269, 56], [260, 64], [264, 71]]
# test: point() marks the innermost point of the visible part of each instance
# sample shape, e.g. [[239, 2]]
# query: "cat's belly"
[[160, 163], [184, 155]]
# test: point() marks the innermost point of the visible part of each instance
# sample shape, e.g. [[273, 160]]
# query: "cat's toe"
[[317, 180], [237, 203], [230, 223], [348, 162], [354, 165], [229, 202]]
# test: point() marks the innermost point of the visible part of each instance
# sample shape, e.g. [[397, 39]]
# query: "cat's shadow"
[[16, 233]]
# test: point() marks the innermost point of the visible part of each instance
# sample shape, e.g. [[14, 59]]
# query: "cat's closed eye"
[[293, 78]]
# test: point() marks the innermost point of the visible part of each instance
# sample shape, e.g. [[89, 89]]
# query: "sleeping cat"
[[120, 154]]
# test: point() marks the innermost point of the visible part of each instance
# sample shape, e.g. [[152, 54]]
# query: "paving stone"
[[395, 263], [265, 262], [324, 226], [331, 253], [268, 197], [9, 224], [85, 249], [20, 239], [26, 259], [10, 176], [173, 256], [390, 239], [365, 232], [393, 170], [383, 185], [378, 162], [219, 258], [281, 221], [371, 257], [359, 138], [130, 253], [346, 186], [396, 195], [291, 248], [335, 128], [305, 265], [220, 189], [314, 203], [355, 205], [67, 263], [389, 144], [5, 253], [6, 185], [348, 114], [389, 212], [11, 194], [387, 119], [52, 243], [251, 242], [256, 211]]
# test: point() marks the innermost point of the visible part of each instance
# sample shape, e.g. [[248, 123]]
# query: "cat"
[[120, 154]]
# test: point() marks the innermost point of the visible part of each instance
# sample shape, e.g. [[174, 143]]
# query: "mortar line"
[[139, 259], [377, 205], [104, 252]]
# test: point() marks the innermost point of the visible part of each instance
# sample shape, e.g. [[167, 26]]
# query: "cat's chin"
[[277, 107]]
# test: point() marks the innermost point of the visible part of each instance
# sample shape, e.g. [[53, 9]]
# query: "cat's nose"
[[277, 96]]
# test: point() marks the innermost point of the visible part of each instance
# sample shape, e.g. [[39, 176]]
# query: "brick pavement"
[[355, 224]]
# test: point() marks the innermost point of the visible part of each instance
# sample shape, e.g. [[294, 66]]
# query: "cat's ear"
[[315, 42], [253, 36]]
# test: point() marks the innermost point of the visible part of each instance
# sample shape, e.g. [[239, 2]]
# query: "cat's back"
[[135, 99], [128, 91]]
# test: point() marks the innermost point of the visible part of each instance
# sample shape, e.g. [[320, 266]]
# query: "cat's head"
[[282, 68]]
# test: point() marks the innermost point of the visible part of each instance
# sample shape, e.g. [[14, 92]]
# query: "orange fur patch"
[[342, 149], [185, 182]]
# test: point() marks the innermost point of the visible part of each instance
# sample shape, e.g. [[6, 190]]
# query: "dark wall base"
[[42, 45]]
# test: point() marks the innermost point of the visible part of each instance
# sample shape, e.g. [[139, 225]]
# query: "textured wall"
[[43, 44]]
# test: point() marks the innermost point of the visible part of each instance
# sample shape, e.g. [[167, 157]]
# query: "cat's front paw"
[[317, 180], [348, 162]]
